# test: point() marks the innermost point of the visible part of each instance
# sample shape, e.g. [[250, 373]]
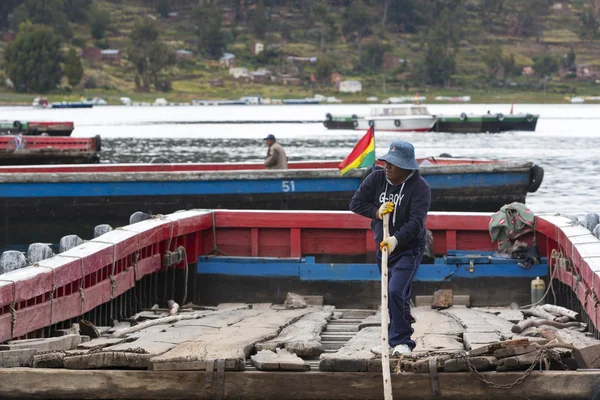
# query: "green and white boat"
[[492, 123]]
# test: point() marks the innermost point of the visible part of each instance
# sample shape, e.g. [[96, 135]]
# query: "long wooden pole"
[[385, 316]]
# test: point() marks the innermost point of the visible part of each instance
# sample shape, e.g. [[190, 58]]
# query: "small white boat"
[[398, 118]]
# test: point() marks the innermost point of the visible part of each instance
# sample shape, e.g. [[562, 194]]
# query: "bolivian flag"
[[362, 155]]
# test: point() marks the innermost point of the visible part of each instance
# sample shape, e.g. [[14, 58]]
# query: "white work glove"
[[386, 208], [390, 243]]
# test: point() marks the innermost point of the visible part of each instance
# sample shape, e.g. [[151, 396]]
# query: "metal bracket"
[[435, 379], [210, 366], [171, 258], [220, 379]]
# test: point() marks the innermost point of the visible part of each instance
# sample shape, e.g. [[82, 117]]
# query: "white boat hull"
[[403, 124]]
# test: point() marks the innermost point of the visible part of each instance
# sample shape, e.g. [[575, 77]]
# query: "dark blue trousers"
[[402, 267]]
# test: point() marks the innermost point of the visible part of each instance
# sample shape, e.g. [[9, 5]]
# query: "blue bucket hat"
[[270, 136], [402, 155]]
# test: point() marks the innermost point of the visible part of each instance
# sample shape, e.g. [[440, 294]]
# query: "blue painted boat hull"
[[45, 211]]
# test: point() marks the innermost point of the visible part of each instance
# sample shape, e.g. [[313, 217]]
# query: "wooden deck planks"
[[281, 360], [354, 356], [481, 327], [155, 340], [436, 331], [302, 338], [232, 343]]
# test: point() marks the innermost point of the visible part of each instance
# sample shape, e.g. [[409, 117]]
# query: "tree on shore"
[[33, 60], [589, 26], [99, 23], [443, 39], [7, 7], [208, 21], [162, 7], [260, 20], [44, 12], [73, 68], [77, 10], [324, 68], [149, 55]]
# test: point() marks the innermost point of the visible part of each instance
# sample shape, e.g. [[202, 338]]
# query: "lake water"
[[566, 142]]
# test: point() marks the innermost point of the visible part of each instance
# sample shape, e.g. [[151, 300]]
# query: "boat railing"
[[137, 265]]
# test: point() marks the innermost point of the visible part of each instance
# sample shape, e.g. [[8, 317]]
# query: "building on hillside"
[[8, 36], [227, 60], [528, 71], [286, 80], [184, 54], [216, 82], [391, 61], [227, 16], [336, 79], [256, 48], [238, 72], [586, 71], [350, 86], [302, 59], [111, 55], [261, 76], [92, 54]]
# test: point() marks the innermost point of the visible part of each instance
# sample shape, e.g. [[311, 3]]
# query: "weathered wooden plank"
[[108, 359], [482, 363], [370, 321], [302, 337], [155, 340], [517, 362], [479, 321], [516, 351], [16, 358], [60, 343], [49, 360], [588, 357], [578, 339], [435, 331], [20, 383], [282, 360], [491, 347], [232, 343], [473, 340], [513, 316], [354, 356], [587, 354], [101, 342]]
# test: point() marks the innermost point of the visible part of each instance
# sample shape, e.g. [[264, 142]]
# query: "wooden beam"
[[254, 243], [22, 383], [295, 243], [451, 240]]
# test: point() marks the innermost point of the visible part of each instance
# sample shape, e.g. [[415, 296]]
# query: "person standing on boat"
[[401, 191], [276, 158]]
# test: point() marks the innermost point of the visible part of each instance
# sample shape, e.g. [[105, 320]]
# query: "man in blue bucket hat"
[[401, 191]]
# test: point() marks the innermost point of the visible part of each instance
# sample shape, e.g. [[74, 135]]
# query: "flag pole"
[[374, 146]]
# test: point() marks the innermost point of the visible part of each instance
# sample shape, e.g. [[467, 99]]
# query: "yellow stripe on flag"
[[362, 155]]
